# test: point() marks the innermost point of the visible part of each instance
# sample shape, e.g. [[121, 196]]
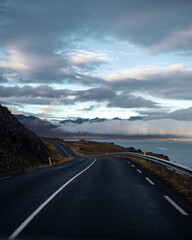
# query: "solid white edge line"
[[139, 171], [176, 206], [30, 171], [4, 178], [149, 180], [29, 219]]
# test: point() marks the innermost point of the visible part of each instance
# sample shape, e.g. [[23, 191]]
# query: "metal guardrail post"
[[162, 169], [190, 182], [149, 163], [174, 173]]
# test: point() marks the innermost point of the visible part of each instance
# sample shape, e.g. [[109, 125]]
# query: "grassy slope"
[[94, 148]]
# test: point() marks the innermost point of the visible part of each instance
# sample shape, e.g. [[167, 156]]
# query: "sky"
[[63, 59]]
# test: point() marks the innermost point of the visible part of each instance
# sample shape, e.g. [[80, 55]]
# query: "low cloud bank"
[[129, 128]]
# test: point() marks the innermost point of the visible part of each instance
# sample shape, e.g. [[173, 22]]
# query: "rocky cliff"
[[19, 147]]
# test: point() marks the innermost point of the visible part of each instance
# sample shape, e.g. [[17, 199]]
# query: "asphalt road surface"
[[94, 198]]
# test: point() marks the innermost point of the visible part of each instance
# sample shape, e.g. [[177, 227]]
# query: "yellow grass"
[[56, 158], [93, 148]]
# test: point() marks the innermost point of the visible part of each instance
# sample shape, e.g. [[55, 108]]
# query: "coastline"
[[132, 139]]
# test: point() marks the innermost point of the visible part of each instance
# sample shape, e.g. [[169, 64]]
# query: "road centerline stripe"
[[149, 180], [133, 165], [176, 206], [30, 218], [139, 171]]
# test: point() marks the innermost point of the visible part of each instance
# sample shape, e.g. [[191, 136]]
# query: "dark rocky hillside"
[[19, 147]]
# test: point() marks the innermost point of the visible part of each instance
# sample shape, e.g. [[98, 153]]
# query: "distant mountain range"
[[96, 120], [48, 129], [61, 128]]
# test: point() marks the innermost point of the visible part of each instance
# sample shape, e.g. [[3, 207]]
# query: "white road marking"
[[149, 180], [5, 177], [176, 206], [29, 219], [63, 150], [139, 171], [30, 171], [132, 165]]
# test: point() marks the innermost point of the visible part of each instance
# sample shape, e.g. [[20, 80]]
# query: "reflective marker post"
[[50, 163]]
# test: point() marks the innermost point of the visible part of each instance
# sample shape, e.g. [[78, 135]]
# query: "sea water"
[[178, 151]]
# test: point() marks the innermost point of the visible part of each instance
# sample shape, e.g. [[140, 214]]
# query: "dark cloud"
[[46, 95], [127, 100], [173, 82], [143, 22], [3, 79], [42, 33], [92, 107], [96, 94], [41, 43], [181, 114]]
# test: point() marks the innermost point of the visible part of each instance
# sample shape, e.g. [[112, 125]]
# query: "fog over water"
[[125, 127]]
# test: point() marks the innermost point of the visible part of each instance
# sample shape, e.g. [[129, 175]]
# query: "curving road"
[[103, 198]]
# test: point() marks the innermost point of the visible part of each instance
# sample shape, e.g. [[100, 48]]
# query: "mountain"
[[82, 120], [19, 147], [97, 120], [36, 125]]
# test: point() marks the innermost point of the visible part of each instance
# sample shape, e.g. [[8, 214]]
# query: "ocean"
[[178, 151]]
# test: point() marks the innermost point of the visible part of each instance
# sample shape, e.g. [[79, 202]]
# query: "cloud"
[[96, 94], [175, 41], [44, 42], [85, 58], [132, 128], [46, 95], [181, 114], [39, 37], [172, 82], [127, 100]]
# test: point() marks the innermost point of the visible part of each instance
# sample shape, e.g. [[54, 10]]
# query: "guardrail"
[[174, 167]]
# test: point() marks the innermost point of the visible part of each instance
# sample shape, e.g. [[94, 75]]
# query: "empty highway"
[[94, 198]]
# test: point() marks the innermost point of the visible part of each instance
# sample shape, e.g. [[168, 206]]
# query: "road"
[[102, 198]]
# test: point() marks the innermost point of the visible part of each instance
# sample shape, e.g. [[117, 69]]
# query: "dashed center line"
[[176, 206], [149, 180], [133, 165], [139, 171]]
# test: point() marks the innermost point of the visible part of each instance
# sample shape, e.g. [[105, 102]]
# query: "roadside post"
[[50, 163]]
